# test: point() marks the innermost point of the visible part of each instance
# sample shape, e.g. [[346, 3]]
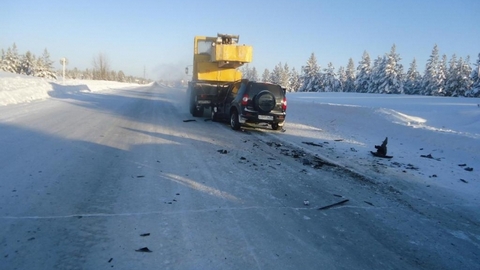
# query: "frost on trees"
[[413, 80], [266, 75], [10, 60], [475, 79], [350, 73], [44, 67], [363, 76], [310, 75], [430, 83], [295, 80]]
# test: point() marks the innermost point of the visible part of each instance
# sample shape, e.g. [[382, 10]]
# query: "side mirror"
[[186, 70]]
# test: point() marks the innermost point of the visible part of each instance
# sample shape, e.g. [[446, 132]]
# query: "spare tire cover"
[[264, 101]]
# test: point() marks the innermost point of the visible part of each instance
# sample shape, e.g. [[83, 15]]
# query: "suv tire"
[[275, 126], [234, 123], [264, 101]]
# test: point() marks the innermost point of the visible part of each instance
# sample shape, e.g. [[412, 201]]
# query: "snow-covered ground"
[[344, 127], [15, 88], [349, 125]]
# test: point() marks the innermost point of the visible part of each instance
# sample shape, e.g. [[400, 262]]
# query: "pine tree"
[[362, 80], [11, 60], [465, 81], [329, 79], [266, 75], [44, 67], [342, 79], [442, 76], [285, 77], [378, 80], [430, 82], [349, 85], [295, 81], [452, 77], [475, 78], [310, 73], [27, 64], [393, 73], [276, 75], [254, 74], [413, 79]]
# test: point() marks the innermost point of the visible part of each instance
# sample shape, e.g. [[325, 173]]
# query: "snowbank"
[[16, 88]]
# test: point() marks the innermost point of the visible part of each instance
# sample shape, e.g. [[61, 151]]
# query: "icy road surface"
[[90, 180]]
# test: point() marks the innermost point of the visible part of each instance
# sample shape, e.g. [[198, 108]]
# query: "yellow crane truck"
[[215, 63]]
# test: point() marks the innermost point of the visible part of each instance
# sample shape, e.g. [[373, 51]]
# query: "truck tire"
[[234, 123], [193, 105], [275, 126], [214, 115]]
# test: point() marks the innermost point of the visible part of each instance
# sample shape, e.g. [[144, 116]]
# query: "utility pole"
[[64, 62]]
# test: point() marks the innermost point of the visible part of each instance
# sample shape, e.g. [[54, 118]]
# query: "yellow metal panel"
[[232, 53], [211, 72]]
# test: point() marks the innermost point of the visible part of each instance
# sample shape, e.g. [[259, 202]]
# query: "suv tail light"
[[284, 104], [245, 100]]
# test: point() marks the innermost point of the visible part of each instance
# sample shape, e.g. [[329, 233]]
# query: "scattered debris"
[[306, 162], [144, 249], [30, 239], [462, 165], [339, 140], [464, 181], [333, 204], [190, 120], [306, 202], [353, 149], [140, 176], [177, 194], [222, 151], [336, 195], [469, 169], [368, 203], [381, 149], [430, 156], [243, 158], [313, 144], [111, 259], [433, 176], [144, 234]]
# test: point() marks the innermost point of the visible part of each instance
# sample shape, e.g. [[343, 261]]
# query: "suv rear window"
[[256, 88]]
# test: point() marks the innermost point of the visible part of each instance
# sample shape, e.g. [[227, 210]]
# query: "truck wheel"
[[234, 123], [198, 112], [275, 126], [214, 115]]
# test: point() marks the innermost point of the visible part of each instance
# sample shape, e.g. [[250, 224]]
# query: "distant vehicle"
[[251, 102]]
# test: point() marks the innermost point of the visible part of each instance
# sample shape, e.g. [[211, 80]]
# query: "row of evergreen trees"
[[29, 64], [385, 75]]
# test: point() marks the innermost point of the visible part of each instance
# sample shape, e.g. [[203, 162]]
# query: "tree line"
[[385, 75], [42, 66]]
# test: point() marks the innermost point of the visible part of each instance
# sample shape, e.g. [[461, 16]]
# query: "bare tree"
[[101, 66]]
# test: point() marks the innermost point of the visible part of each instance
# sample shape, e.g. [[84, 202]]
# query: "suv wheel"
[[234, 123], [275, 126], [264, 101]]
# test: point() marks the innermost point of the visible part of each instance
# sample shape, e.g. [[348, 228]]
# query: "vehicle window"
[[274, 89], [204, 46]]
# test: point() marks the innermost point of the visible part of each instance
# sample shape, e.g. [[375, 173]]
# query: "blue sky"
[[158, 35]]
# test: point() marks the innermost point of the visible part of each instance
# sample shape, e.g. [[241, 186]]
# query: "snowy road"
[[89, 178]]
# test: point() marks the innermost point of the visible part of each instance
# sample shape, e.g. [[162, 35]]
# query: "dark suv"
[[251, 102]]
